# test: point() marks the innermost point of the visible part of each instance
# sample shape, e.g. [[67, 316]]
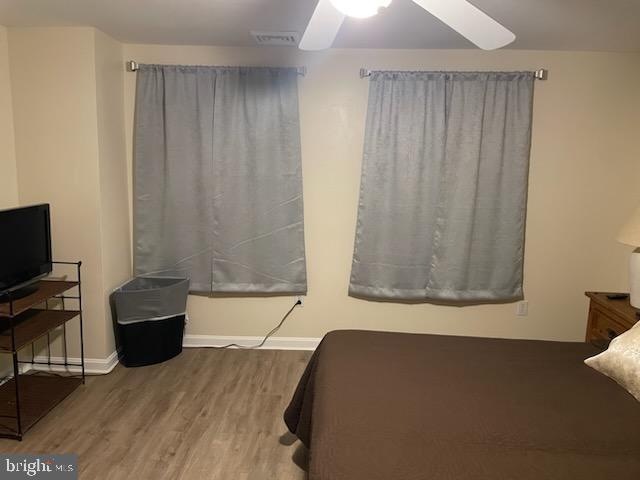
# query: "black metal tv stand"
[[27, 397]]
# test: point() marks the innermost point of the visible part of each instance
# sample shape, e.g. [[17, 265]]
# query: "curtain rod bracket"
[[541, 74]]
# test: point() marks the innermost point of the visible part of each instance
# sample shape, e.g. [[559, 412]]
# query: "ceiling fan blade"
[[470, 22], [323, 27]]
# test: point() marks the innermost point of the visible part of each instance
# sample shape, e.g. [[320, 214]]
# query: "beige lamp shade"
[[630, 233]]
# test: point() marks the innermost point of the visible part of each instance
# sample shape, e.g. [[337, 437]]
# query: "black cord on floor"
[[267, 336], [63, 373]]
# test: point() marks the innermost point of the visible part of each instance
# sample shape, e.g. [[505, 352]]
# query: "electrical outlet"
[[300, 298], [522, 309]]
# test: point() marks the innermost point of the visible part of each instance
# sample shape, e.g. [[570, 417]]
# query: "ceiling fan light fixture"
[[360, 8]]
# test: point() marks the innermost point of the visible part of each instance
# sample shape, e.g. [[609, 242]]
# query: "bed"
[[379, 405]]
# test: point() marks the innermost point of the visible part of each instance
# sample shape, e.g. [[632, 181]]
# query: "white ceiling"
[[607, 25]]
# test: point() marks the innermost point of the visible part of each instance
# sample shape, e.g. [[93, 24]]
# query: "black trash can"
[[150, 318]]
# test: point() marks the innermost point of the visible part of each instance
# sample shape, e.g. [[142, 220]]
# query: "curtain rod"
[[133, 66], [540, 74]]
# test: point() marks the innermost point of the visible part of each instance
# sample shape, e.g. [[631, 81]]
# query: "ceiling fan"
[[463, 17]]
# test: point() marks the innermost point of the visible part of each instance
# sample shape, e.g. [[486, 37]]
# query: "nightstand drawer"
[[609, 317], [603, 326]]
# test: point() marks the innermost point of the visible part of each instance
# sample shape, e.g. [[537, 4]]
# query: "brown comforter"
[[375, 405]]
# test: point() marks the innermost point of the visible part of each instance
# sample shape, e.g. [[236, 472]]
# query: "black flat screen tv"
[[25, 246]]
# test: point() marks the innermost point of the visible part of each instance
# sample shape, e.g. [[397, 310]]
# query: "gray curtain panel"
[[444, 187], [218, 180]]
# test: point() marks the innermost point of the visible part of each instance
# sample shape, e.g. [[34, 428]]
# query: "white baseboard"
[[99, 366], [273, 343]]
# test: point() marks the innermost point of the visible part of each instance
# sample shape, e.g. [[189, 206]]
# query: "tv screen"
[[25, 245]]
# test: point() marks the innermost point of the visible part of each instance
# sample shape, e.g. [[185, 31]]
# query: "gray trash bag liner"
[[151, 298]]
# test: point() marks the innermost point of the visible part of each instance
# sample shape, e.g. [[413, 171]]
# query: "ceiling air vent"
[[280, 39]]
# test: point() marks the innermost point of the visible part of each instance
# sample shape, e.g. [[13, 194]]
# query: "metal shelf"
[[26, 398], [29, 326], [38, 395], [46, 290]]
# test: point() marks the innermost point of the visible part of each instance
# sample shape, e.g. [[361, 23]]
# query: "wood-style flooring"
[[206, 414]]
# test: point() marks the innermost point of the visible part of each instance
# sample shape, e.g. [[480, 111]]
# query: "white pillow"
[[621, 361]]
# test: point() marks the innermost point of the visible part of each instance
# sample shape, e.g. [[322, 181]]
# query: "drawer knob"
[[611, 333]]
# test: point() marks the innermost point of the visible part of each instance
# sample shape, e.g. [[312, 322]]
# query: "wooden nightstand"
[[608, 318]]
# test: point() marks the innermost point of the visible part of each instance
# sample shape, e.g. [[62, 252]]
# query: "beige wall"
[[8, 173], [67, 98], [70, 95], [583, 184], [114, 206], [56, 145], [636, 139]]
